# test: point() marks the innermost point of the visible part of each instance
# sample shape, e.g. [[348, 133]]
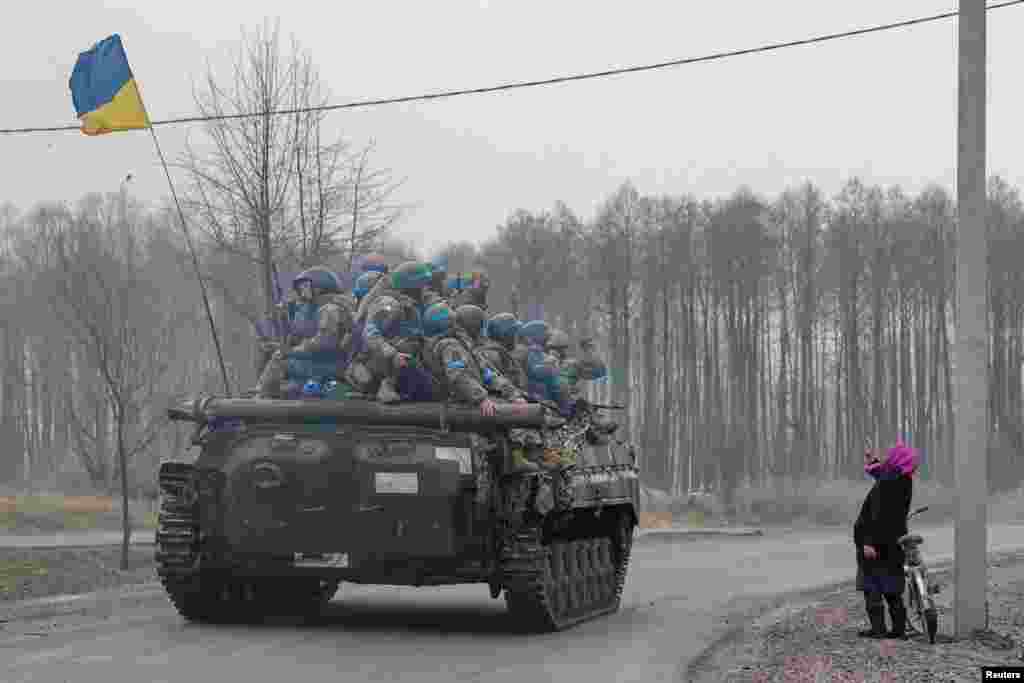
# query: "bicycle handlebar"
[[917, 511]]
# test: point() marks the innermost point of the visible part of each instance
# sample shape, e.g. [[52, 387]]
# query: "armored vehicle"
[[289, 498]]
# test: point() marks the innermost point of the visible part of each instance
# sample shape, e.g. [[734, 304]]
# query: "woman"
[[882, 520]]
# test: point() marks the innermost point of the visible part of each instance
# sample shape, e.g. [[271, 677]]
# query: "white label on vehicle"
[[324, 560], [463, 456], [397, 482]]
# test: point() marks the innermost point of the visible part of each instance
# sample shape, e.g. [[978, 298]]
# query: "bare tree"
[[268, 186], [114, 316]]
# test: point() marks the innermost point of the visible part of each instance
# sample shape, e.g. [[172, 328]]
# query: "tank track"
[[210, 595], [556, 585]]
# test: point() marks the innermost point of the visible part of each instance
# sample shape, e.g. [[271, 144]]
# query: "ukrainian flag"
[[104, 92]]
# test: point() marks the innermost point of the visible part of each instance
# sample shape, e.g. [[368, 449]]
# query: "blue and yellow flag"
[[104, 91]]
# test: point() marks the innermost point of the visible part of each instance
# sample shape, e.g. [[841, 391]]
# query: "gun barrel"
[[355, 411]]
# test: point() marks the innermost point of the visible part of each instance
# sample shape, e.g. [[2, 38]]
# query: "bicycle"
[[920, 603]]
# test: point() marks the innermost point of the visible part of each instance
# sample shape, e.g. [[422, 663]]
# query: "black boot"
[[898, 615], [876, 615]]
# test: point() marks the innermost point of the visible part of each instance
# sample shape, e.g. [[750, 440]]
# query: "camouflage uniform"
[[469, 288], [380, 289], [364, 283], [588, 367], [573, 371], [393, 326], [323, 352], [498, 348], [470, 319], [437, 292], [464, 379], [545, 385], [288, 320]]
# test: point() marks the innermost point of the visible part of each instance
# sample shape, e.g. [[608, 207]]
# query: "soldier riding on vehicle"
[[499, 345], [364, 283], [470, 288], [392, 334], [319, 355]]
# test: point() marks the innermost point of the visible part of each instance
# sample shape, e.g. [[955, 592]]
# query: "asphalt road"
[[676, 597]]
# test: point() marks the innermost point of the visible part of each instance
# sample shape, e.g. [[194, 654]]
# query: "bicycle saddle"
[[910, 539]]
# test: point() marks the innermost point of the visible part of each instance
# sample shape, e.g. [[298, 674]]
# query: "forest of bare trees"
[[753, 337], [748, 337]]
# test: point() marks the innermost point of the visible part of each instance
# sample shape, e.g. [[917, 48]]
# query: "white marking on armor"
[[396, 482]]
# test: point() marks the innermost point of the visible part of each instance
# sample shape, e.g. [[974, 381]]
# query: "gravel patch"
[[816, 640], [37, 573]]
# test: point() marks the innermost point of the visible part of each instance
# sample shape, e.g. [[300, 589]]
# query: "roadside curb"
[[648, 535], [74, 540], [56, 605]]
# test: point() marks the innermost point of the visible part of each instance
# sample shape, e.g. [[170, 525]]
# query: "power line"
[[549, 81]]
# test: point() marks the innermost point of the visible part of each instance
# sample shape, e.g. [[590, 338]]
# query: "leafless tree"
[[114, 317], [267, 187]]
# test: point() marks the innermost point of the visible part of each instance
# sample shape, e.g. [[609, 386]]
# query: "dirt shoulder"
[[44, 572], [814, 638]]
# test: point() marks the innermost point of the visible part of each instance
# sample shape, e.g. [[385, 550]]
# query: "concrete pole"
[[972, 337]]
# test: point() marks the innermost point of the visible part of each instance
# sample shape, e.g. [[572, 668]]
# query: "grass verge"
[[37, 573], [32, 514]]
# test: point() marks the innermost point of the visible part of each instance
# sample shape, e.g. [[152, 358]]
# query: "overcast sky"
[[881, 106]]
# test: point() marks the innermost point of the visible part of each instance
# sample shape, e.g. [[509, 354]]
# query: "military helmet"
[[557, 340], [439, 264], [324, 280], [437, 319], [439, 273], [534, 332], [473, 288], [454, 283], [412, 275], [365, 282], [374, 263], [503, 326], [471, 318]]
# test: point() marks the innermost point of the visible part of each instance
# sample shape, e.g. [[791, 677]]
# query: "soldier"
[[334, 310], [544, 385], [364, 283], [463, 380], [392, 334], [437, 321], [471, 288], [471, 319], [439, 274], [374, 263], [499, 346], [540, 369], [573, 372], [587, 367], [289, 319]]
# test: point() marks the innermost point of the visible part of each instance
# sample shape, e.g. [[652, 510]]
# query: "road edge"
[[68, 541], [55, 604], [710, 661]]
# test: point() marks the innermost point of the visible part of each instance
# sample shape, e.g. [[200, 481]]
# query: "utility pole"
[[972, 424]]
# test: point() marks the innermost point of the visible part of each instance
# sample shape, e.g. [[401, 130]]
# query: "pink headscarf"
[[902, 459]]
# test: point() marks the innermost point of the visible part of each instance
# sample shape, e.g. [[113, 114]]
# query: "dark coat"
[[882, 520]]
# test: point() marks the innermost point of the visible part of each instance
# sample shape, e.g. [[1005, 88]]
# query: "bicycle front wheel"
[[931, 616], [918, 601], [912, 602]]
